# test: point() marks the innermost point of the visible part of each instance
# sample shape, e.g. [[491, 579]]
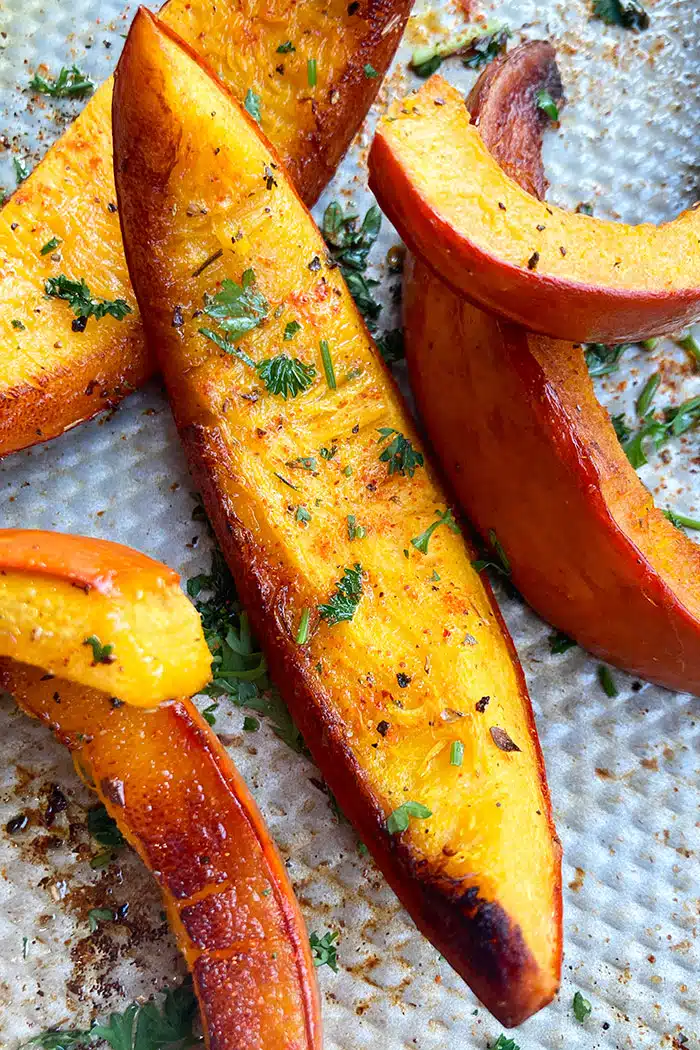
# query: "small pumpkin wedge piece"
[[531, 453], [385, 642], [53, 376], [100, 613], [179, 801], [563, 274]]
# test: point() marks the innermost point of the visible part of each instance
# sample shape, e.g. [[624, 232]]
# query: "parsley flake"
[[446, 518], [286, 376], [290, 330], [238, 308], [391, 346], [101, 654], [70, 83], [560, 643], [399, 454], [285, 48], [18, 326], [355, 531], [606, 680], [582, 1007], [348, 591], [50, 246], [325, 949], [546, 103], [252, 104], [504, 1043], [350, 247], [370, 72], [98, 915], [399, 819], [82, 302], [501, 564], [476, 47], [626, 13]]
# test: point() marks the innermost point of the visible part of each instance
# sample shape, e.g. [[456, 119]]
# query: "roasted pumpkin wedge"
[[302, 67], [385, 642], [178, 800], [532, 455], [100, 613], [567, 275]]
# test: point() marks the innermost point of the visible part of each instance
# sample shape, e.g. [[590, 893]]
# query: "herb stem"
[[648, 394], [328, 365], [303, 632]]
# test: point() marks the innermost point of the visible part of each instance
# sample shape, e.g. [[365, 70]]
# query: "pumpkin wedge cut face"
[[385, 642], [178, 800], [101, 614], [54, 375], [520, 434], [563, 274]]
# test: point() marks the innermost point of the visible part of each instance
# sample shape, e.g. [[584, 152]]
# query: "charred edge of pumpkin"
[[476, 936], [529, 67]]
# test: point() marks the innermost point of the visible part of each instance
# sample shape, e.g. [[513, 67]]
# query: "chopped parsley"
[[239, 670], [101, 654], [328, 453], [98, 915], [252, 104], [286, 376], [82, 302], [390, 345], [50, 246], [399, 455], [209, 714], [355, 531], [421, 542], [476, 47], [302, 514], [546, 103], [103, 828], [626, 13], [70, 83], [504, 1043], [290, 330], [21, 169], [350, 247], [655, 432], [681, 521], [328, 365], [325, 949], [606, 680], [501, 564], [399, 819], [348, 591], [18, 326], [250, 724], [370, 72], [238, 308], [582, 1008], [285, 48], [601, 359], [312, 72], [560, 643]]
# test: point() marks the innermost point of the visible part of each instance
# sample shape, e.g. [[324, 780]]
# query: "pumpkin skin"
[[165, 778], [531, 454], [58, 590], [481, 875], [565, 275], [51, 377]]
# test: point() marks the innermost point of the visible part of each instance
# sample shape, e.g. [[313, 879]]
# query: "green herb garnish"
[[350, 247], [18, 326], [399, 454], [302, 514], [456, 753], [648, 394], [303, 632], [342, 605], [601, 359], [328, 365], [252, 104], [691, 345], [626, 13], [421, 542], [312, 72], [70, 83], [355, 531], [370, 72], [286, 376], [21, 169], [476, 47], [582, 1008], [546, 103], [390, 345], [606, 681], [560, 643], [681, 521], [503, 1043], [290, 330], [285, 48], [209, 714], [325, 949], [81, 301], [50, 246], [98, 915], [101, 654], [238, 308], [398, 821], [501, 564]]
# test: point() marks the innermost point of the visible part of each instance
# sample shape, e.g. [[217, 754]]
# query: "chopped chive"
[[328, 365], [648, 394], [690, 344], [606, 681], [311, 72], [303, 632], [456, 753], [50, 246]]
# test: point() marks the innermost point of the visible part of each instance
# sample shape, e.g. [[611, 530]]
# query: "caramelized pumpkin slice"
[[53, 376], [567, 275], [178, 799], [101, 614], [385, 642], [532, 455]]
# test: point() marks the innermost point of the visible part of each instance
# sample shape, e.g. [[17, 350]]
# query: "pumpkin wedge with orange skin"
[[57, 591], [532, 455], [409, 655], [178, 800], [563, 274], [52, 377]]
